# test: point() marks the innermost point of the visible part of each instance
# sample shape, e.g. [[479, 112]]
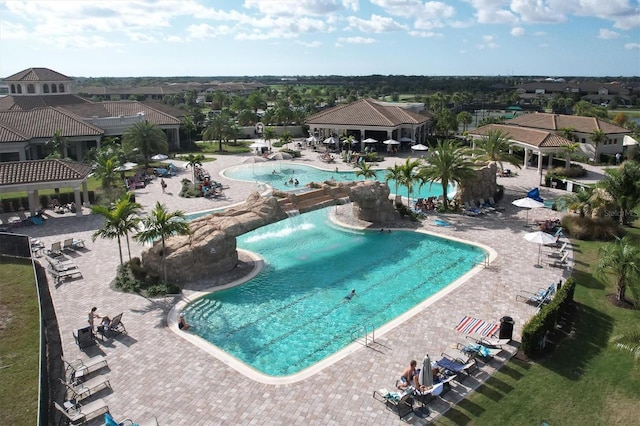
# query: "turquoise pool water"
[[293, 313], [279, 174]]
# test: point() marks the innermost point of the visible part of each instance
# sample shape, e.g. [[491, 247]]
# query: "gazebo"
[[36, 175]]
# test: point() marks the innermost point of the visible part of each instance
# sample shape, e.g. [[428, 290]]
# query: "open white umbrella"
[[280, 156], [258, 144], [126, 166], [391, 142], [540, 238], [406, 139], [370, 140], [420, 147], [527, 203], [159, 157]]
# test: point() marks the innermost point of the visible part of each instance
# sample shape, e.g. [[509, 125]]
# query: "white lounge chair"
[[78, 391], [77, 413], [80, 368], [560, 263]]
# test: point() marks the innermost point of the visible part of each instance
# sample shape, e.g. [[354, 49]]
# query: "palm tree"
[[365, 170], [216, 128], [189, 126], [465, 118], [162, 224], [597, 137], [268, 135], [107, 163], [147, 138], [120, 220], [395, 172], [629, 342], [494, 148], [58, 145], [407, 177], [623, 185], [621, 259], [570, 149], [194, 160], [286, 137], [447, 164], [581, 201]]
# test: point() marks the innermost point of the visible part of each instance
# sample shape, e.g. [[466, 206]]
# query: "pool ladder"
[[362, 332], [485, 261]]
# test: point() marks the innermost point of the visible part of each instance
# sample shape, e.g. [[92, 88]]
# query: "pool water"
[[294, 314], [279, 175]]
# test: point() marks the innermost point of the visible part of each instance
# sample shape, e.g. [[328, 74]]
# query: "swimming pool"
[[279, 174], [293, 313]]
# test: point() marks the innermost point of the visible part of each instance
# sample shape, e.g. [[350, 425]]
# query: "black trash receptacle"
[[506, 328]]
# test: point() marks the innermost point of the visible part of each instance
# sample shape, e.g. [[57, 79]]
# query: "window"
[[54, 88], [13, 88], [19, 88], [45, 88], [31, 88], [61, 88]]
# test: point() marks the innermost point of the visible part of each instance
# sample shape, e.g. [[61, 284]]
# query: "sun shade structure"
[[527, 203], [540, 238]]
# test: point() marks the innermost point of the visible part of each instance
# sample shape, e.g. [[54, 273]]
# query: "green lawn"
[[585, 381], [19, 343]]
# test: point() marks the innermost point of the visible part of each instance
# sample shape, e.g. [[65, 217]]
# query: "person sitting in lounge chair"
[[410, 376]]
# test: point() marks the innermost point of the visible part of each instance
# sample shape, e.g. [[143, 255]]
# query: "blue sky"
[[321, 37]]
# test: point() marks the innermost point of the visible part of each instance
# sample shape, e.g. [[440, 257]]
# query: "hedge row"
[[535, 330]]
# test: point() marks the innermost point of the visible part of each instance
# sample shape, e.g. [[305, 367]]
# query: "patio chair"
[[77, 414], [55, 250], [400, 402], [456, 367], [80, 368], [477, 351], [109, 421], [84, 337], [560, 263], [490, 342], [470, 211], [115, 326], [558, 234], [78, 391], [559, 252], [492, 203], [538, 298]]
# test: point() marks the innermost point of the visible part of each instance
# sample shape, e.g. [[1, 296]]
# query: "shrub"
[[575, 171], [188, 190], [294, 153], [587, 228], [131, 278], [537, 328]]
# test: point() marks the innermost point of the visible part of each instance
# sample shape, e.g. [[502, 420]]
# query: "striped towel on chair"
[[470, 325]]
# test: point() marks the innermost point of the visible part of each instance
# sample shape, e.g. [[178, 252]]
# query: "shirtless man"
[[408, 376]]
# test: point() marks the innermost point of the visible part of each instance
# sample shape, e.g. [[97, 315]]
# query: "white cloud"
[[402, 8], [309, 44], [377, 24], [425, 34], [298, 7], [630, 46], [142, 37], [356, 40], [518, 31], [493, 12], [200, 31], [488, 42], [537, 11], [606, 34]]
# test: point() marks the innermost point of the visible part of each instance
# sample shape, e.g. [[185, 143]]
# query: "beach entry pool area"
[[279, 174], [294, 313]]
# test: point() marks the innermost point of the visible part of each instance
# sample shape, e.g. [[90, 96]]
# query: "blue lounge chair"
[[456, 367], [538, 298]]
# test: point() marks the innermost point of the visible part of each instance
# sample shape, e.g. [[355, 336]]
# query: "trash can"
[[506, 328]]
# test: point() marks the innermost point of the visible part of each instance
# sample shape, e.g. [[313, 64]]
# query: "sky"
[[550, 38]]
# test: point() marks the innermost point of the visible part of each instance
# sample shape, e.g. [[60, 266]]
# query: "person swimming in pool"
[[351, 294]]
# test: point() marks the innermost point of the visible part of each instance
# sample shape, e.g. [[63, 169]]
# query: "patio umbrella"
[[426, 377], [420, 147], [391, 142], [540, 238], [527, 203], [159, 157], [370, 140], [280, 156], [253, 160], [258, 144], [127, 166]]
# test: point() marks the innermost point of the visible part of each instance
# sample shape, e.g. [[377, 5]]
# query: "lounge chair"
[[59, 276], [538, 298], [115, 326], [455, 367], [84, 337], [477, 351], [558, 234], [559, 252], [81, 368], [109, 421], [55, 250], [490, 342], [78, 391], [492, 203], [400, 402], [560, 263], [77, 413], [470, 210], [485, 205]]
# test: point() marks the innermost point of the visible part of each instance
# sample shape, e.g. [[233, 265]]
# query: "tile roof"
[[535, 137], [555, 122], [38, 74], [8, 134], [43, 122], [24, 103], [366, 112], [167, 109], [130, 108], [40, 171]]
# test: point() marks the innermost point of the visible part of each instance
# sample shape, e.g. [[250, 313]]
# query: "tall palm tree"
[[268, 135], [621, 259], [494, 148], [465, 118], [623, 184], [147, 138], [407, 176], [194, 160], [395, 172], [161, 223], [216, 128], [365, 170], [598, 137], [582, 201], [189, 126], [107, 163], [570, 149], [448, 163], [120, 220]]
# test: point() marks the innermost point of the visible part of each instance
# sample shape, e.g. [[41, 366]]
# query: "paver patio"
[[155, 372]]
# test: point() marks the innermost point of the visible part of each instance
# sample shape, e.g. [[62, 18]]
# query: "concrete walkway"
[[155, 372]]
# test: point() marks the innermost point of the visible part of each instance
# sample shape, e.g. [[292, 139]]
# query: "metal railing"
[[362, 332]]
